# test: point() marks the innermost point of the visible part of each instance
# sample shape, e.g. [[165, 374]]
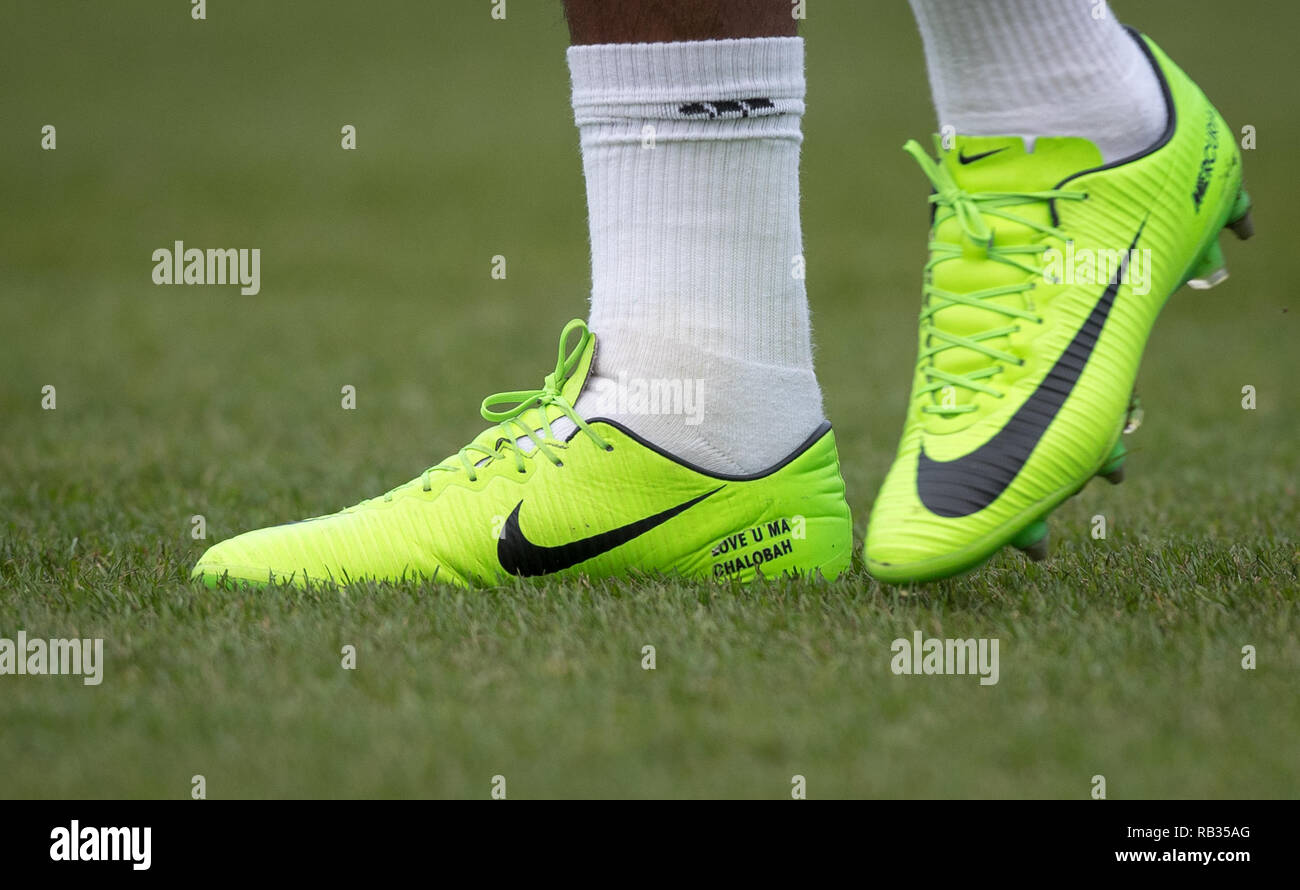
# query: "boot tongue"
[[1001, 163], [995, 164]]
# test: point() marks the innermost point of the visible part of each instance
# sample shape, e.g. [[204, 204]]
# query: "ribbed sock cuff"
[[693, 80]]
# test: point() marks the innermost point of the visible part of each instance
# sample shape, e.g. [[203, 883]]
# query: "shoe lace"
[[973, 211], [510, 421]]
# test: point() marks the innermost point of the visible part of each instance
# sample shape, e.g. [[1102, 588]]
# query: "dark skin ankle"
[[662, 21]]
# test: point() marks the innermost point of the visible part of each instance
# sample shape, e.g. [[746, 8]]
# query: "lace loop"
[[511, 427]]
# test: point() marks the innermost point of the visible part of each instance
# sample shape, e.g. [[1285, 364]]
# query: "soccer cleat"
[[1047, 270], [546, 492]]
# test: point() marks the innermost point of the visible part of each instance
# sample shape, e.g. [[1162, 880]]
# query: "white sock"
[[1040, 68], [691, 156]]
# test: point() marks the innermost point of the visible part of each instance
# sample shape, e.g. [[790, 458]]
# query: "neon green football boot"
[[546, 492], [1046, 272]]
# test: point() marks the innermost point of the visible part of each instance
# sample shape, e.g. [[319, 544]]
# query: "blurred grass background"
[[1120, 657]]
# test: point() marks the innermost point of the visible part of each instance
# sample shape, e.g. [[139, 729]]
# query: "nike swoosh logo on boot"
[[520, 556], [963, 158], [968, 484]]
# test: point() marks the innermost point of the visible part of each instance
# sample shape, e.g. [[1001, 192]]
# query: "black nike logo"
[[963, 158], [728, 107], [520, 556], [970, 483]]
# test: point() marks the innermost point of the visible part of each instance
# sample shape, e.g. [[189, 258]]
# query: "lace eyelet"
[[609, 447]]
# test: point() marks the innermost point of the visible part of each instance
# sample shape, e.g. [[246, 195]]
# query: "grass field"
[[1120, 657]]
